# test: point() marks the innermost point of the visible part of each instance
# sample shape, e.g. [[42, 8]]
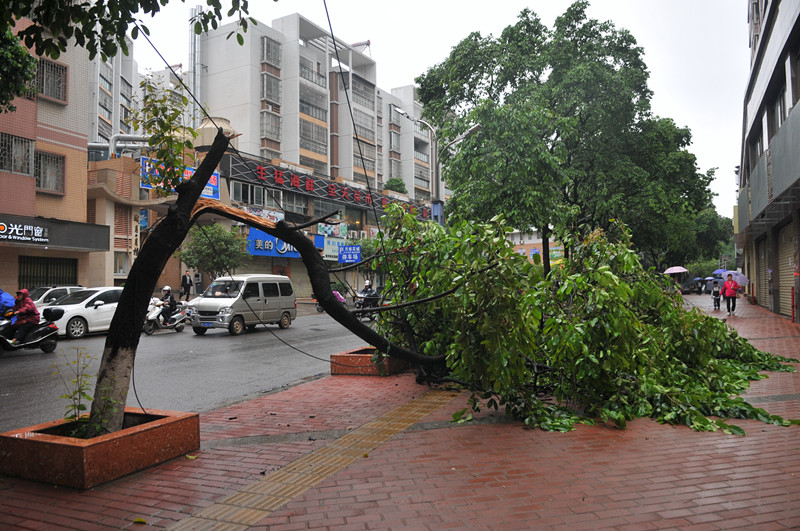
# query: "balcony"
[[314, 77], [773, 191]]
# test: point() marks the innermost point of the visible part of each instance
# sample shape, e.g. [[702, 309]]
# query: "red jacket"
[[26, 309], [730, 288]]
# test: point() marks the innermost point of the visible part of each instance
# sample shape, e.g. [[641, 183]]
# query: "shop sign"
[[23, 233], [283, 178], [149, 173], [349, 254], [331, 248], [259, 243]]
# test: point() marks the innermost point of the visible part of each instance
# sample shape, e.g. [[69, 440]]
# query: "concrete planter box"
[[43, 453], [359, 362]]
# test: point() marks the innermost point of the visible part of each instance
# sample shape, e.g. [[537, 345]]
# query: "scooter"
[[155, 321], [364, 300], [44, 335], [339, 298]]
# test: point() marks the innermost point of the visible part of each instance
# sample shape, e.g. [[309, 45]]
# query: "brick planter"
[[42, 453], [359, 362]]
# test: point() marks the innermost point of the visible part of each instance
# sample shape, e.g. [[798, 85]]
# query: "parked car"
[[45, 295], [87, 310], [244, 301]]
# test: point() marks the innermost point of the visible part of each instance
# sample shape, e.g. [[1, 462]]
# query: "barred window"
[[270, 51], [49, 172], [270, 88], [51, 80], [106, 104], [396, 169], [16, 154], [313, 137], [368, 150], [270, 125], [103, 130]]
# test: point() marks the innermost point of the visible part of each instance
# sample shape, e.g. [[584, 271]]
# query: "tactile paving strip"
[[255, 502]]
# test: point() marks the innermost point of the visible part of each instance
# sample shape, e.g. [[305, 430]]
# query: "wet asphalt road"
[[179, 371]]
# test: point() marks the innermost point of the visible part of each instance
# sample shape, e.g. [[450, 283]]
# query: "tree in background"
[[214, 250], [593, 153], [17, 70], [396, 184]]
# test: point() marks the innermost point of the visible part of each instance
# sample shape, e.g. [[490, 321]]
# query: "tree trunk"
[[119, 353], [546, 250]]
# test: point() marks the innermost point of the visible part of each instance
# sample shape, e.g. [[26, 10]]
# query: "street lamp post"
[[437, 205]]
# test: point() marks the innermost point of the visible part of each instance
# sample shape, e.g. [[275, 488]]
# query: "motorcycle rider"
[[27, 316], [169, 304]]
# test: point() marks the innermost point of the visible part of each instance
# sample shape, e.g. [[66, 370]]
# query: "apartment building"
[[317, 133], [45, 236], [113, 84], [767, 215]]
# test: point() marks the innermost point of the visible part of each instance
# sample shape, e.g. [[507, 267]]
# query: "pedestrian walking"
[[186, 286], [715, 293], [730, 290]]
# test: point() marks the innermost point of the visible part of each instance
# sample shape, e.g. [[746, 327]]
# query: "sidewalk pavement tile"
[[343, 469]]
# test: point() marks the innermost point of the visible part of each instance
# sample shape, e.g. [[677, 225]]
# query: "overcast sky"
[[696, 51]]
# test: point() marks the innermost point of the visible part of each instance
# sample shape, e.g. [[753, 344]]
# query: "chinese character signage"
[[23, 233], [331, 248], [253, 172], [349, 254], [259, 243], [149, 170]]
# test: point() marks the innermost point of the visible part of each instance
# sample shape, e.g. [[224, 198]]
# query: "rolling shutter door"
[[786, 268], [762, 293]]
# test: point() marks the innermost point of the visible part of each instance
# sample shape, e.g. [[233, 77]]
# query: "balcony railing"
[[314, 77]]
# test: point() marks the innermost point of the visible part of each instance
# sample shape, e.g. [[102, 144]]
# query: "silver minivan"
[[241, 301]]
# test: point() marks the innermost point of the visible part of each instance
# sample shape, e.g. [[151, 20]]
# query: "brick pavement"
[[487, 474]]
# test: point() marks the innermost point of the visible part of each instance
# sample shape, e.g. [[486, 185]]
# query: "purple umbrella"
[[675, 269]]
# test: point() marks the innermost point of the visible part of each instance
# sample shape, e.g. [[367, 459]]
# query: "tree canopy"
[[600, 338], [102, 26], [17, 70], [567, 130], [214, 249]]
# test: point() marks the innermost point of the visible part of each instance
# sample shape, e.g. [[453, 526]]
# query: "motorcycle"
[[155, 320], [366, 299], [339, 298], [44, 335]]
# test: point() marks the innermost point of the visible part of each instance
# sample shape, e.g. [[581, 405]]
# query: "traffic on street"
[[178, 371]]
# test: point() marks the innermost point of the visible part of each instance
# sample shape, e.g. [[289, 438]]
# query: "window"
[[394, 140], [313, 137], [270, 125], [49, 172], [323, 207], [106, 104], [247, 193], [120, 263], [270, 88], [319, 167], [109, 297], [269, 154], [16, 154], [270, 51], [270, 289], [286, 289], [251, 290], [295, 203], [51, 80], [395, 169], [422, 175]]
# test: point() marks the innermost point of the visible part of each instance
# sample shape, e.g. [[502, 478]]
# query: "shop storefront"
[[40, 252]]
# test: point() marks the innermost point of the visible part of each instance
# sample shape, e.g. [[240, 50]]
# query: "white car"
[[87, 310], [45, 295]]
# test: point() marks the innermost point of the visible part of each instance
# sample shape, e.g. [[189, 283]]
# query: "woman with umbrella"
[[729, 290]]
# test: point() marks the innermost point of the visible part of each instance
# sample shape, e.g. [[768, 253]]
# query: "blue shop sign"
[[149, 170], [349, 254], [259, 243]]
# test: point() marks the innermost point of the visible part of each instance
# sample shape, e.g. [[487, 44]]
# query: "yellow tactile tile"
[[255, 502]]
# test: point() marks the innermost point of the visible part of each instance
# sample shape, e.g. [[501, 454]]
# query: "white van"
[[241, 301]]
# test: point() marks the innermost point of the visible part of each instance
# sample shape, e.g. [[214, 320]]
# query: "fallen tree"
[[119, 353]]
